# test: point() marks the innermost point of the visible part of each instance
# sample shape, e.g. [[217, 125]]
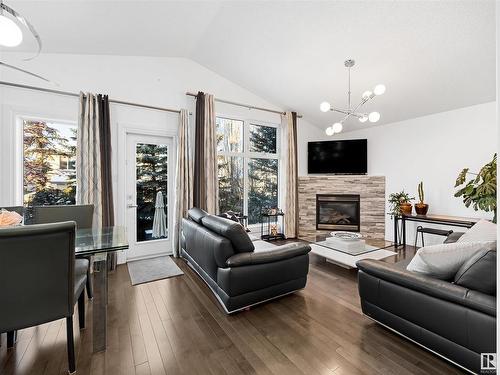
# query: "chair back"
[[37, 264], [81, 214], [18, 209]]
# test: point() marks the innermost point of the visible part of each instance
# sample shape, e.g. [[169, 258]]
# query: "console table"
[[454, 221]]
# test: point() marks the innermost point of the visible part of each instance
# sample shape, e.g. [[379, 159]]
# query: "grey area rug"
[[152, 269]]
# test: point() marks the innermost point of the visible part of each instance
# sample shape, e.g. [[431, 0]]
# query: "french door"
[[149, 195]]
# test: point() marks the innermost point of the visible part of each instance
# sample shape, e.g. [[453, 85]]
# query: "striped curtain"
[[93, 161], [205, 155], [184, 179], [289, 127]]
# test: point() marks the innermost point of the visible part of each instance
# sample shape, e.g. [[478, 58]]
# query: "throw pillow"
[[444, 260], [483, 230], [479, 272]]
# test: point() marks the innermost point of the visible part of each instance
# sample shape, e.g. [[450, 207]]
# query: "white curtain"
[[88, 160], [290, 168], [184, 179]]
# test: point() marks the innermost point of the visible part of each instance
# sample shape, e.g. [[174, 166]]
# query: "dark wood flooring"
[[175, 326]]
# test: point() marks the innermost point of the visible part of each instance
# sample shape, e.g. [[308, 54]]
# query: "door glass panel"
[[230, 183], [262, 187], [151, 179]]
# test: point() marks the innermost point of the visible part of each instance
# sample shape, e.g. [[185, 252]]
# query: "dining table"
[[98, 245]]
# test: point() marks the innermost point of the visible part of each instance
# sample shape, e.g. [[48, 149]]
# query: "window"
[[49, 173], [248, 162]]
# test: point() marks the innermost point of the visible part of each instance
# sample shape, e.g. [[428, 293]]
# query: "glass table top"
[[88, 241], [351, 247]]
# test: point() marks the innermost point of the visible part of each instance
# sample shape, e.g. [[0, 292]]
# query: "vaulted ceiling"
[[432, 56]]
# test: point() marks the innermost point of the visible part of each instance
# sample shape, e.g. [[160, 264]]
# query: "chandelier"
[[351, 111]]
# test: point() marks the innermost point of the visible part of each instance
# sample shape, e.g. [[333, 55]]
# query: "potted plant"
[[399, 203], [421, 208], [481, 190]]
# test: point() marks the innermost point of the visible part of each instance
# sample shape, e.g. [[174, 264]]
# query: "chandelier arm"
[[349, 91], [27, 72], [28, 25]]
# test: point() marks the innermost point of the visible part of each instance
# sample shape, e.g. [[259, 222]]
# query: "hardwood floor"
[[175, 326]]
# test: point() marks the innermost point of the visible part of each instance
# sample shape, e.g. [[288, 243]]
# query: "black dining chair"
[[81, 214], [41, 279]]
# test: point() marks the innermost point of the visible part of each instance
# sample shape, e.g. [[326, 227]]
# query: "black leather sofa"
[[221, 252], [455, 319]]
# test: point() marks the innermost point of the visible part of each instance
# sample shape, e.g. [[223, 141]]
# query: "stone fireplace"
[[338, 212], [369, 191]]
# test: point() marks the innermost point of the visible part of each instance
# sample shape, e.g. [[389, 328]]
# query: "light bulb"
[[379, 89], [367, 95], [363, 118], [329, 131], [337, 127], [10, 33], [324, 107], [374, 116]]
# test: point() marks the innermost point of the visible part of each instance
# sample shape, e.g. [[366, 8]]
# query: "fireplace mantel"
[[371, 190]]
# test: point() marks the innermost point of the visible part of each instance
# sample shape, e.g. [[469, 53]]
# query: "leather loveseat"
[[455, 319], [221, 252]]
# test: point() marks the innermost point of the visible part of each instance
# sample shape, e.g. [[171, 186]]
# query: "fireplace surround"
[[371, 190], [338, 212]]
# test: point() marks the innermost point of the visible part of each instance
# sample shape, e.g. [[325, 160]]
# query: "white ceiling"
[[432, 56]]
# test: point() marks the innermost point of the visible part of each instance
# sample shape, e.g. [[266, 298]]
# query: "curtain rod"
[[244, 105], [67, 93]]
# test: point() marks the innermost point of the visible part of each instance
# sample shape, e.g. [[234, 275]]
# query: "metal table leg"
[[395, 232], [100, 302], [403, 230]]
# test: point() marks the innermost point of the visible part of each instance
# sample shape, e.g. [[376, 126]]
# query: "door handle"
[[131, 205]]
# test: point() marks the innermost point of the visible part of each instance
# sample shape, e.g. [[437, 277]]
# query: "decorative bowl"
[[347, 235]]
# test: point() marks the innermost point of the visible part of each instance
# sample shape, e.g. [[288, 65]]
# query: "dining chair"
[[41, 280], [18, 209], [81, 214]]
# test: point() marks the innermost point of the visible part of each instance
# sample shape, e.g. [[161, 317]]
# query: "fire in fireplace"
[[337, 212]]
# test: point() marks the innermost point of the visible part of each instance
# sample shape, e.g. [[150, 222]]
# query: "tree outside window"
[[49, 173], [248, 167]]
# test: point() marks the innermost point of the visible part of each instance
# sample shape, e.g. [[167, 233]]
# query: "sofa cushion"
[[444, 260], [196, 214], [234, 232], [479, 272], [483, 230]]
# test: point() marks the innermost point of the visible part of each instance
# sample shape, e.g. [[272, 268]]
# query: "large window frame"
[[247, 155], [19, 116]]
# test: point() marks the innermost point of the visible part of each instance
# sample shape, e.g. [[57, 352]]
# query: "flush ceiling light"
[[353, 111], [11, 34]]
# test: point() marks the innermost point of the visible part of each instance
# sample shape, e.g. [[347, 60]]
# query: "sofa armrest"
[[268, 256], [428, 285]]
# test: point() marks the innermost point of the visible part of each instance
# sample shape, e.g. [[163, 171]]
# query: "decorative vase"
[[405, 208], [421, 208]]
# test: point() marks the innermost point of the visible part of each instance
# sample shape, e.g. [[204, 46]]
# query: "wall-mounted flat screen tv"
[[340, 157]]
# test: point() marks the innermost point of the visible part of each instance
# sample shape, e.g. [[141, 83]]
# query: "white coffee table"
[[371, 249]]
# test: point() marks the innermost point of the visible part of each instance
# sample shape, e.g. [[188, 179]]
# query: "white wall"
[[153, 81], [432, 149], [149, 80]]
